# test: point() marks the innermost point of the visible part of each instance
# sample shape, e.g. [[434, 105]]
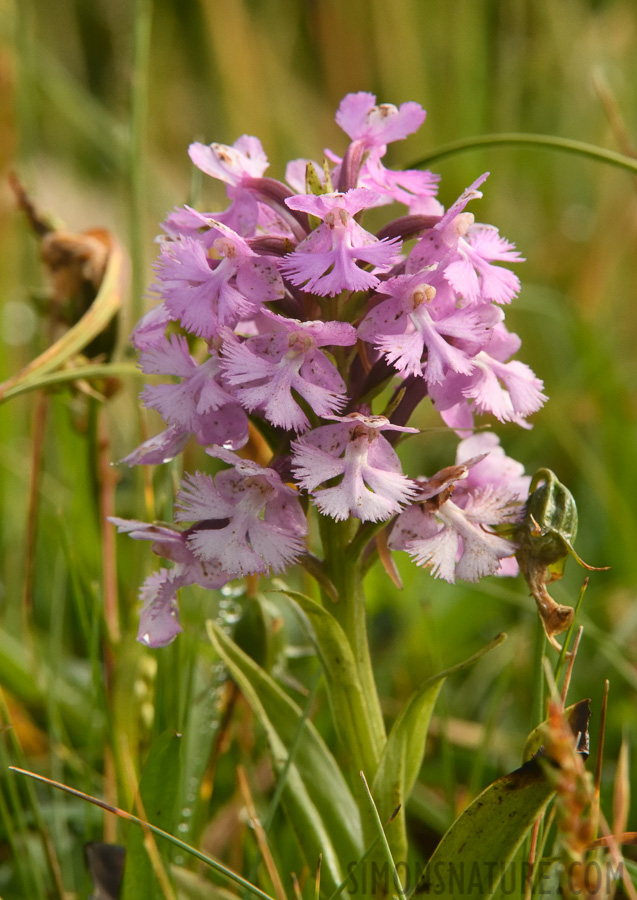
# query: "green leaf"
[[402, 758], [201, 733], [158, 789], [475, 853], [316, 797], [349, 710]]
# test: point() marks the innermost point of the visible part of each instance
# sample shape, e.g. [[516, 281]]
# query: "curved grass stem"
[[537, 141]]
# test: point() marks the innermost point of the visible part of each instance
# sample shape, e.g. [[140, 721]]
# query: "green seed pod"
[[545, 541], [550, 523]]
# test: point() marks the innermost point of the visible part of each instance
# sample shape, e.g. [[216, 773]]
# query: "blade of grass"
[[569, 633], [78, 107], [537, 703], [548, 820], [68, 376], [39, 419], [107, 479], [260, 834], [600, 743], [129, 817], [143, 13], [296, 886], [621, 789], [533, 841], [38, 819], [382, 838], [317, 880], [537, 716], [619, 861], [280, 785], [536, 141], [571, 663], [17, 832], [53, 646]]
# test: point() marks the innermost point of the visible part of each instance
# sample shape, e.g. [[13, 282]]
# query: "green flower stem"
[[344, 568], [539, 141], [343, 564]]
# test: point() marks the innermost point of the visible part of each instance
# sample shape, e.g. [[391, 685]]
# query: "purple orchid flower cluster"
[[284, 311]]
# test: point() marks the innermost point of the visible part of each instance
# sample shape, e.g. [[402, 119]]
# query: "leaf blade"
[[316, 796], [476, 851], [345, 691], [402, 757]]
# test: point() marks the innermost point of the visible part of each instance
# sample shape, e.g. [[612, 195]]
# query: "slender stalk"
[[259, 832], [538, 712], [39, 420], [143, 11], [107, 480], [538, 715], [282, 779], [26, 99], [537, 141], [68, 376]]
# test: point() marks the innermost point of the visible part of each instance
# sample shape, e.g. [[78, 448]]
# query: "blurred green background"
[[99, 140]]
